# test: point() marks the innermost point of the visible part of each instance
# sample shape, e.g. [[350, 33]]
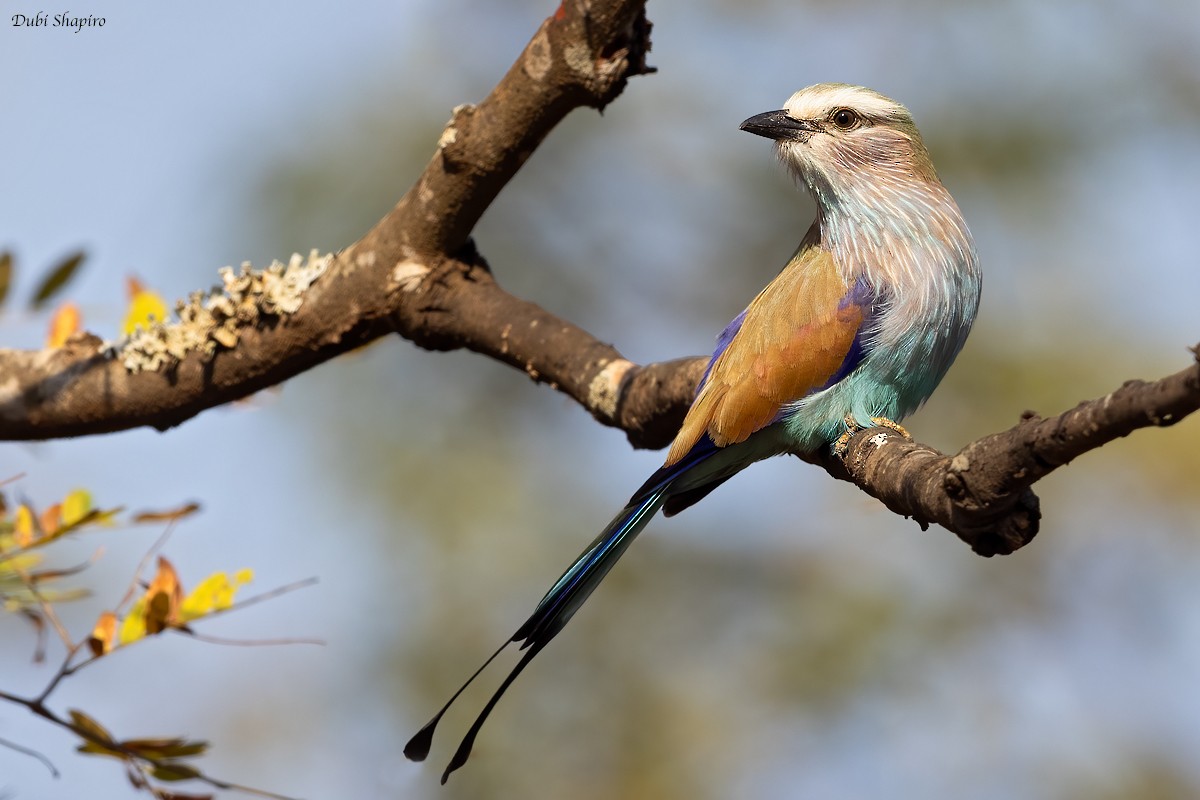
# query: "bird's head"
[[842, 140]]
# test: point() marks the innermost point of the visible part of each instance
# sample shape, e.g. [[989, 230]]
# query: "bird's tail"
[[583, 576], [564, 598]]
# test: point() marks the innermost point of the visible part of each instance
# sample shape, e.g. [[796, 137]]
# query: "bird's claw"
[[842, 444], [884, 422]]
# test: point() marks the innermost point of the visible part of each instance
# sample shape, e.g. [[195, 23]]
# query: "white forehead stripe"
[[817, 101]]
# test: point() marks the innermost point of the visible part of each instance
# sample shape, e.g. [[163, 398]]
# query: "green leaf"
[[169, 747], [174, 771], [100, 750], [58, 278], [88, 725], [95, 738]]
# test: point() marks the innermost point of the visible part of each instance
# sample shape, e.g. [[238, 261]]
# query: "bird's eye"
[[845, 118]]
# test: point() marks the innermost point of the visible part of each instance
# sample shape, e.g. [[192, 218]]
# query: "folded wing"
[[793, 339]]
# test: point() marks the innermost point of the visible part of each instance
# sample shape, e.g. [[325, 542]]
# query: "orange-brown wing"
[[794, 337]]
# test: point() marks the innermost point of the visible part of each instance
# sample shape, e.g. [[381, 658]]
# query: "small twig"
[[158, 545], [14, 698], [32, 754], [65, 572], [259, 598], [65, 670], [46, 609], [39, 627], [204, 637], [68, 669], [37, 707], [237, 787]]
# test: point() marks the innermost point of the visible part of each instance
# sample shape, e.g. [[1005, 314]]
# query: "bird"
[[855, 332]]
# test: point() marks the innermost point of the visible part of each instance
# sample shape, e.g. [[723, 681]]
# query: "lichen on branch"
[[214, 319]]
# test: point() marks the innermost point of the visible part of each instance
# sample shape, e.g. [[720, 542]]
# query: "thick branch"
[[983, 493], [417, 273], [401, 276], [465, 308], [580, 56]]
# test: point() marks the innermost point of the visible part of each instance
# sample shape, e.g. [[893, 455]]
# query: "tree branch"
[[405, 275], [417, 273], [983, 492]]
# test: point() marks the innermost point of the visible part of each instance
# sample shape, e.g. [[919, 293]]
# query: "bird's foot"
[[842, 444], [884, 422]]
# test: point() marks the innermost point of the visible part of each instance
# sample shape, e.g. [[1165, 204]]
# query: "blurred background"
[[786, 638]]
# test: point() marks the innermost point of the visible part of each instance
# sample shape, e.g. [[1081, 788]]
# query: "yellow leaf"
[[11, 566], [146, 307], [75, 506], [214, 593], [23, 528], [66, 320], [133, 627], [203, 599], [104, 634]]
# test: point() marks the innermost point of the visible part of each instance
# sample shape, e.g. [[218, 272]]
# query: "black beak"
[[778, 125]]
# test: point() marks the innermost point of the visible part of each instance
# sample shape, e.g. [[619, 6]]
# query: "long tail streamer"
[[564, 598]]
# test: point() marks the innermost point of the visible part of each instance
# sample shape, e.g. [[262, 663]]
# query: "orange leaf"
[[163, 598], [50, 519], [6, 269], [171, 515], [104, 634], [66, 320]]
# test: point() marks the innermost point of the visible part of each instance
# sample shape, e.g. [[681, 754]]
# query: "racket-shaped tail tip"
[[418, 746], [460, 757]]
